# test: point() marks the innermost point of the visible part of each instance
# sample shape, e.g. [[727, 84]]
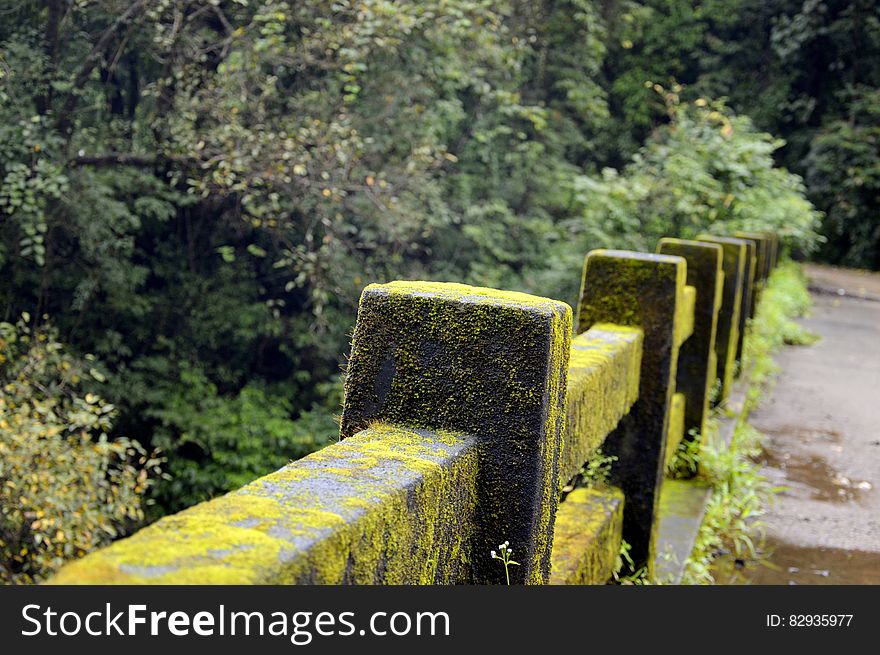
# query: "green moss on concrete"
[[639, 290], [603, 384], [676, 425], [750, 293], [682, 507], [735, 253], [633, 272], [483, 362], [465, 293], [695, 377], [684, 320], [587, 537], [762, 252], [774, 251], [388, 506]]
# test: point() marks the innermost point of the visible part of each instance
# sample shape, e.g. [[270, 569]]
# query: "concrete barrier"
[[697, 360], [727, 335], [468, 414], [645, 291]]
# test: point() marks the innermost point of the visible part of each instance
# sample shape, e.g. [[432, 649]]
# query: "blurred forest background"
[[194, 193]]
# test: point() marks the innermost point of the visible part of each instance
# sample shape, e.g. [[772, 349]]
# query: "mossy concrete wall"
[[774, 250], [677, 430], [391, 505], [479, 361], [639, 290], [727, 332], [603, 384], [586, 542], [697, 364], [750, 294], [762, 248], [685, 320], [453, 439]]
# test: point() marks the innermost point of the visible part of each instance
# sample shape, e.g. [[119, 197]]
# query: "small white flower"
[[506, 543], [493, 554]]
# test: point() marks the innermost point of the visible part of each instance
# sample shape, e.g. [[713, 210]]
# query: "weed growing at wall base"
[[594, 473], [625, 571], [739, 496]]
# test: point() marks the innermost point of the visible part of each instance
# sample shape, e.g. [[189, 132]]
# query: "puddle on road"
[[804, 433], [805, 475], [781, 563], [822, 482], [809, 475]]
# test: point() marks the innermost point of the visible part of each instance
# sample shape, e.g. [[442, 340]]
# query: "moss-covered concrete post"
[[774, 259], [639, 290], [768, 246], [697, 363], [750, 294], [762, 248], [728, 329], [484, 362], [777, 249], [774, 251]]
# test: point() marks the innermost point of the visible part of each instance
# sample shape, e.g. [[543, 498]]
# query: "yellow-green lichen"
[[465, 292], [587, 537], [390, 505], [485, 362], [603, 383], [763, 246], [552, 443], [727, 332], [639, 290], [695, 376], [631, 274], [749, 294], [684, 318], [675, 433]]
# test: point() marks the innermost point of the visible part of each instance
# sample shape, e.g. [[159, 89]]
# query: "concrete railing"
[[467, 412]]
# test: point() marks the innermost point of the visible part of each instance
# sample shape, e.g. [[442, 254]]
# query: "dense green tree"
[[798, 68], [197, 191], [843, 173]]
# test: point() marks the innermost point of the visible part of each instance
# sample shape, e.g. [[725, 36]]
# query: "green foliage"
[[739, 496], [784, 299], [706, 170], [66, 487], [201, 203], [597, 471], [843, 173], [625, 572], [216, 442], [808, 71], [197, 192]]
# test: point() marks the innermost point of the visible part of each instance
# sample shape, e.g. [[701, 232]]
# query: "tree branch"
[[127, 159], [94, 58]]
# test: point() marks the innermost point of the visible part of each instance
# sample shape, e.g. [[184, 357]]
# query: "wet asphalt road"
[[822, 421]]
